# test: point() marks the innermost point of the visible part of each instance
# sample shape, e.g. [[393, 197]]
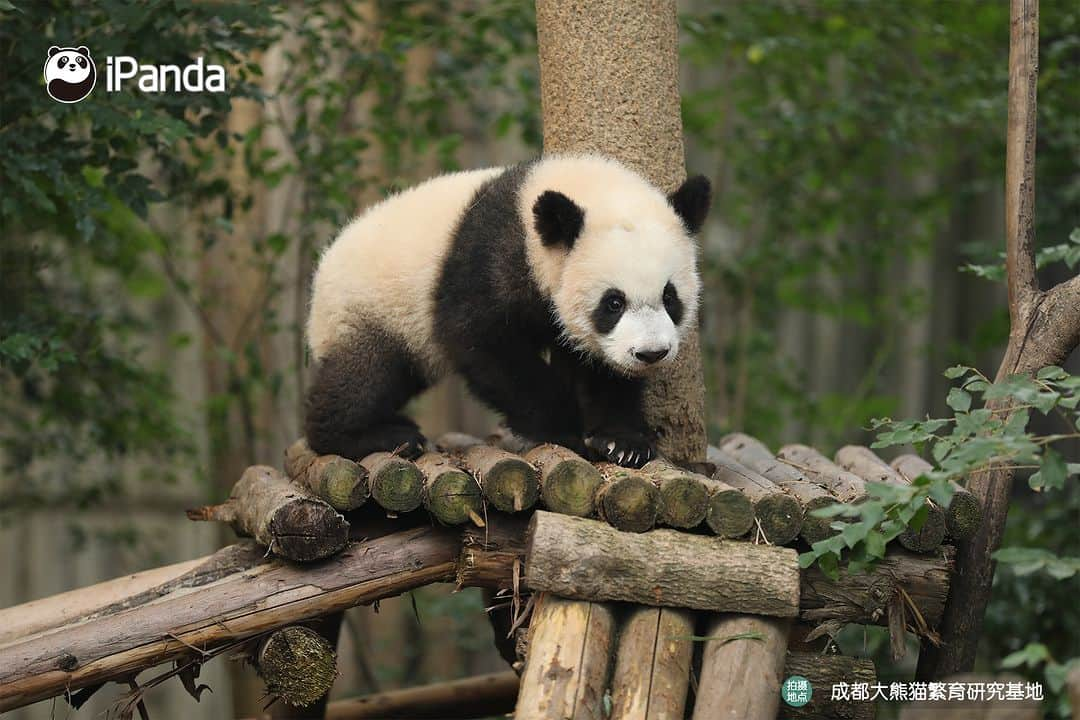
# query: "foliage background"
[[156, 252]]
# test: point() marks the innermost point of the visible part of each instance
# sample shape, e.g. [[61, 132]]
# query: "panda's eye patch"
[[608, 311], [613, 301], [82, 62], [63, 59], [672, 303]]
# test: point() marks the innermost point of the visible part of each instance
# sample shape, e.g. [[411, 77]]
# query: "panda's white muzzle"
[[643, 338]]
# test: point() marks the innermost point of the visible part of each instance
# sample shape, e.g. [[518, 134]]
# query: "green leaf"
[[956, 371], [1030, 655], [1053, 472], [959, 400]]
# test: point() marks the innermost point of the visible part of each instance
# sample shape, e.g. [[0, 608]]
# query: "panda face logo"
[[70, 73]]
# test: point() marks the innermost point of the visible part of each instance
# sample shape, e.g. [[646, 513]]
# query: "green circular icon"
[[796, 691]]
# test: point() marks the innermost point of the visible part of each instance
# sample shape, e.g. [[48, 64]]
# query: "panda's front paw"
[[630, 448]]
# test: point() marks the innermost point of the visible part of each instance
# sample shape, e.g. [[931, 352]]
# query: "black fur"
[[352, 404], [494, 323], [691, 202], [558, 219], [673, 303], [605, 316]]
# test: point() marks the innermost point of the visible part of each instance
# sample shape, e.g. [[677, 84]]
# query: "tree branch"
[[1020, 158]]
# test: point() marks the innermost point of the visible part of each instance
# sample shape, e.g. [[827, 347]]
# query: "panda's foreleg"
[[353, 405], [536, 399], [614, 419]]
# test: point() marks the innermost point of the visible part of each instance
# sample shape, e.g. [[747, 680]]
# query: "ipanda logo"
[[70, 75]]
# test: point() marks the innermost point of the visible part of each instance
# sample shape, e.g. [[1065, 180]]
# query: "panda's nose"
[[651, 356], [71, 66]]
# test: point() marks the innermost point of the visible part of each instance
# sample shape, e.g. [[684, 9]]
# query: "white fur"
[[632, 241], [383, 266]]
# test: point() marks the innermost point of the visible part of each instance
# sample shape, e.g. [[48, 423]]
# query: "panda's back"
[[382, 268]]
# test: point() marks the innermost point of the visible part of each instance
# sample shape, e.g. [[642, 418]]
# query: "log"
[[863, 462], [587, 560], [337, 480], [754, 455], [867, 597], [297, 664], [239, 606], [729, 513], [565, 674], [626, 500], [684, 498], [824, 671], [475, 697], [489, 555], [652, 664], [778, 514], [568, 482], [846, 486], [396, 484], [964, 512], [509, 483], [741, 666], [280, 516], [451, 495]]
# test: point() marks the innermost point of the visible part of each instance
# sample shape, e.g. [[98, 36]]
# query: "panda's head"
[[617, 259], [70, 73]]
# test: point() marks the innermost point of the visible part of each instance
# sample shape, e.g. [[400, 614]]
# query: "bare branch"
[[1020, 158]]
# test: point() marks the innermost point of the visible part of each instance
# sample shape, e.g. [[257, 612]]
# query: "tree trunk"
[[609, 83]]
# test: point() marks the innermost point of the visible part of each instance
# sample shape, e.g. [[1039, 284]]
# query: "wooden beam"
[[474, 697], [239, 606], [588, 560], [652, 664]]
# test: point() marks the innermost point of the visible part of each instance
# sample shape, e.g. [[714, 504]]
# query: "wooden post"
[[280, 516], [297, 664], [451, 495], [626, 500], [652, 664], [567, 667], [684, 498], [609, 83], [396, 484], [741, 668], [847, 487], [509, 483]]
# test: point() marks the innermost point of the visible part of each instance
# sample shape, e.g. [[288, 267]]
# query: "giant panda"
[[554, 287], [70, 73]]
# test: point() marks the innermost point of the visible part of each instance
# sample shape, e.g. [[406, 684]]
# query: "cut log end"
[[963, 515], [344, 484], [780, 518], [511, 485], [729, 513], [297, 665], [397, 485], [305, 530], [683, 502], [454, 498], [629, 502], [816, 528], [927, 538], [569, 487]]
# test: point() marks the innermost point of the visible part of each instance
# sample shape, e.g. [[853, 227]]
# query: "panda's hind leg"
[[353, 405]]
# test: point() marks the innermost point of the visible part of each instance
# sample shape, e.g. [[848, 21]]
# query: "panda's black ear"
[[558, 219], [691, 202], [53, 50], [82, 49]]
